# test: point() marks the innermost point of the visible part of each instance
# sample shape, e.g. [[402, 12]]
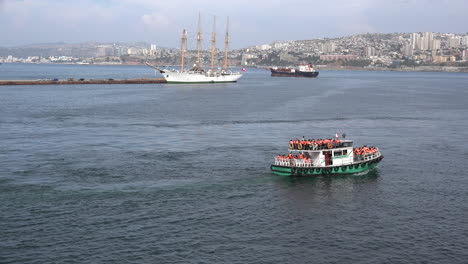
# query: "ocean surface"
[[162, 173]]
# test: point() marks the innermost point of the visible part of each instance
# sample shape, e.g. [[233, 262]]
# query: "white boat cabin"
[[306, 68], [337, 156]]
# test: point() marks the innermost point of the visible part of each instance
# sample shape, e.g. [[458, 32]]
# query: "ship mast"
[[184, 39], [226, 41], [213, 44], [198, 41]]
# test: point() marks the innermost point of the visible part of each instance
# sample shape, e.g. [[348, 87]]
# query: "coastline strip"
[[74, 81]]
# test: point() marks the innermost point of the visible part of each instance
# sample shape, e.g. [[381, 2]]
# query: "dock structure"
[[83, 81]]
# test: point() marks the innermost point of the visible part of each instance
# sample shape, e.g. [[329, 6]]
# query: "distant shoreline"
[[401, 69], [404, 69], [319, 67]]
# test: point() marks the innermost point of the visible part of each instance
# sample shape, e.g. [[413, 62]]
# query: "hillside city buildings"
[[385, 50], [365, 50]]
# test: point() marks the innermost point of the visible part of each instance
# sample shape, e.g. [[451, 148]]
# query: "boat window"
[[347, 144], [338, 153], [345, 152]]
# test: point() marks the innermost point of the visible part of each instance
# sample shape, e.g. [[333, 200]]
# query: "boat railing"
[[293, 162], [316, 146], [368, 156]]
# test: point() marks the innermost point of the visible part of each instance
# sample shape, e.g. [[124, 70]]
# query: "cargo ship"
[[304, 70], [333, 156]]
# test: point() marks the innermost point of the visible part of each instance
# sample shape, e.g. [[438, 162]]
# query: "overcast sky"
[[252, 22]]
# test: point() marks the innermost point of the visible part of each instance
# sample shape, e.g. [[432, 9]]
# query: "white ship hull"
[[197, 77]]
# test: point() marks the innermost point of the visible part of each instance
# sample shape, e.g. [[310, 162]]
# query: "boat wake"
[[278, 121]]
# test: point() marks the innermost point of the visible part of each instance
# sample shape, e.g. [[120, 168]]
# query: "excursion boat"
[[325, 157]]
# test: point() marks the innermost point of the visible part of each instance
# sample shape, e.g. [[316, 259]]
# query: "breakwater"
[[83, 81]]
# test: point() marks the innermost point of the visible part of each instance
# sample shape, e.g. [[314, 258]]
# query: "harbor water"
[[161, 173]]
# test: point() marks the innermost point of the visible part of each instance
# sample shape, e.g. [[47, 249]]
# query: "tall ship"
[[197, 74], [332, 156], [303, 70]]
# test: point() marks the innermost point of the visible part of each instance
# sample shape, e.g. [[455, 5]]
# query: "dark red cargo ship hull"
[[289, 73]]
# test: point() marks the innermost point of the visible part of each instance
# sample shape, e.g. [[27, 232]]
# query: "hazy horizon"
[[29, 22]]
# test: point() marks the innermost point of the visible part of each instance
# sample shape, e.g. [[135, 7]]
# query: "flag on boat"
[[243, 69], [336, 135]]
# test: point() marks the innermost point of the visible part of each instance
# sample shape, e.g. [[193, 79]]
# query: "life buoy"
[[318, 170], [350, 167], [291, 146], [363, 165], [356, 166], [299, 146], [299, 171], [343, 168], [293, 171], [336, 169], [330, 145]]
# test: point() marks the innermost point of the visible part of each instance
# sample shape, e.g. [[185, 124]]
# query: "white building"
[[465, 41], [328, 47], [134, 51], [435, 44], [423, 43], [152, 51], [279, 45], [104, 50], [369, 51], [415, 38], [428, 36], [263, 47], [454, 42]]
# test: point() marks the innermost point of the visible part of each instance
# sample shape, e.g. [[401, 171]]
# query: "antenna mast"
[[198, 41], [226, 41], [182, 55], [213, 44]]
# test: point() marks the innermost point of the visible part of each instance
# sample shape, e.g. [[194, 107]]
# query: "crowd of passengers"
[[314, 144], [298, 160], [290, 156], [364, 151]]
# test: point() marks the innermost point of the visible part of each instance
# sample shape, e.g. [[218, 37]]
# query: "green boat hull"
[[330, 170]]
